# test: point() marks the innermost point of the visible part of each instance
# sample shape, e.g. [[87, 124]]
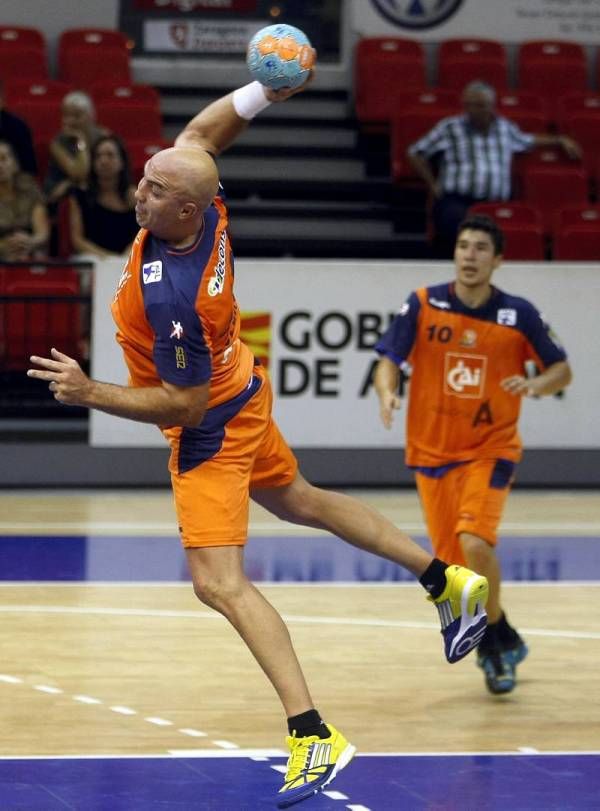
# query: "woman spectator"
[[24, 227], [69, 163], [102, 216]]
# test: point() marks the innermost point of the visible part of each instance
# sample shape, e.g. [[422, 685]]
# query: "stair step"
[[286, 169]]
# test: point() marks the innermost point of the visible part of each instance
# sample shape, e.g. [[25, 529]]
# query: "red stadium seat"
[[43, 115], [90, 39], [406, 129], [552, 186], [16, 90], [552, 68], [411, 101], [44, 312], [128, 120], [140, 151], [457, 73], [23, 37], [85, 66], [541, 157], [384, 67], [587, 103], [461, 61], [23, 61], [127, 94], [516, 103], [577, 233], [585, 129], [522, 227]]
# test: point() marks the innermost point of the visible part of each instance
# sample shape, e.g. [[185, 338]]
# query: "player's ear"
[[188, 210]]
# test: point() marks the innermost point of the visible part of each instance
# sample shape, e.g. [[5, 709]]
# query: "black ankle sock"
[[306, 724], [506, 633], [491, 637], [433, 578]]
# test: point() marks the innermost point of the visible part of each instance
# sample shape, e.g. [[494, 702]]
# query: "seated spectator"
[[16, 132], [69, 163], [24, 228], [473, 153], [102, 216]]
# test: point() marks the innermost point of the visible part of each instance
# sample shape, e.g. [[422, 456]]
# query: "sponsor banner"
[[510, 20], [314, 325], [199, 36], [191, 6]]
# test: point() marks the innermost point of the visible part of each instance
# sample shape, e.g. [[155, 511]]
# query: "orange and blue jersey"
[[178, 321], [458, 356]]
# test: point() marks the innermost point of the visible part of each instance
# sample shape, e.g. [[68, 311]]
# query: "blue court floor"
[[274, 559], [376, 783]]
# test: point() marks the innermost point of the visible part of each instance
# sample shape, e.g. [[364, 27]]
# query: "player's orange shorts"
[[467, 498], [212, 499]]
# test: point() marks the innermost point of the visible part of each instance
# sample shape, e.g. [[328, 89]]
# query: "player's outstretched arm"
[[387, 376], [160, 405], [221, 122]]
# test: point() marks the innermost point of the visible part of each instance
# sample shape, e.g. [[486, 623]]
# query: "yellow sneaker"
[[312, 764], [461, 607]]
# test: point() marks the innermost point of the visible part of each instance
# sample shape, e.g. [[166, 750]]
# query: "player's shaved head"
[[191, 172]]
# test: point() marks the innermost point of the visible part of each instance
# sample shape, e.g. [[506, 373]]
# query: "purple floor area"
[[375, 783], [275, 559]]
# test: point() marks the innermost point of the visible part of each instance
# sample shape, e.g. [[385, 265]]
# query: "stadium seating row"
[[132, 111], [83, 55], [386, 66], [574, 234]]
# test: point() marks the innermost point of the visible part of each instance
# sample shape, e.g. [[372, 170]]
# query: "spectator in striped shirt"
[[467, 159]]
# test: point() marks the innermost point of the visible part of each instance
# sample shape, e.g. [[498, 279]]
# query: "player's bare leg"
[[344, 516], [458, 593], [481, 557], [220, 582], [501, 648]]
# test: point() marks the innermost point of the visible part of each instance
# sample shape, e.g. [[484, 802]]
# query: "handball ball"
[[280, 56]]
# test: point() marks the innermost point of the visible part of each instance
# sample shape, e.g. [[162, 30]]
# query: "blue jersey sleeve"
[[540, 336], [180, 352], [397, 341]]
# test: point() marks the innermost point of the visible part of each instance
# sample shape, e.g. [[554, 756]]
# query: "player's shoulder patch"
[[438, 296]]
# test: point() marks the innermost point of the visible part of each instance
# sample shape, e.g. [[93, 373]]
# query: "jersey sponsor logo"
[[507, 317], [180, 358], [417, 13], [464, 375], [216, 282], [177, 331], [468, 338], [152, 272], [441, 305], [404, 309]]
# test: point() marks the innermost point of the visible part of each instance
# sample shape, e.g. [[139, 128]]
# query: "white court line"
[[159, 722], [306, 620], [253, 754], [123, 710], [213, 753], [45, 688]]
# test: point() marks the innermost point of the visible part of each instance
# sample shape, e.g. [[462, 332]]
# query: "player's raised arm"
[[278, 74]]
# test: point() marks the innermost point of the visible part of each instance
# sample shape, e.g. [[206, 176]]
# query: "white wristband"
[[249, 100]]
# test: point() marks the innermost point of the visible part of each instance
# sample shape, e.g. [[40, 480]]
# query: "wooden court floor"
[[143, 668]]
